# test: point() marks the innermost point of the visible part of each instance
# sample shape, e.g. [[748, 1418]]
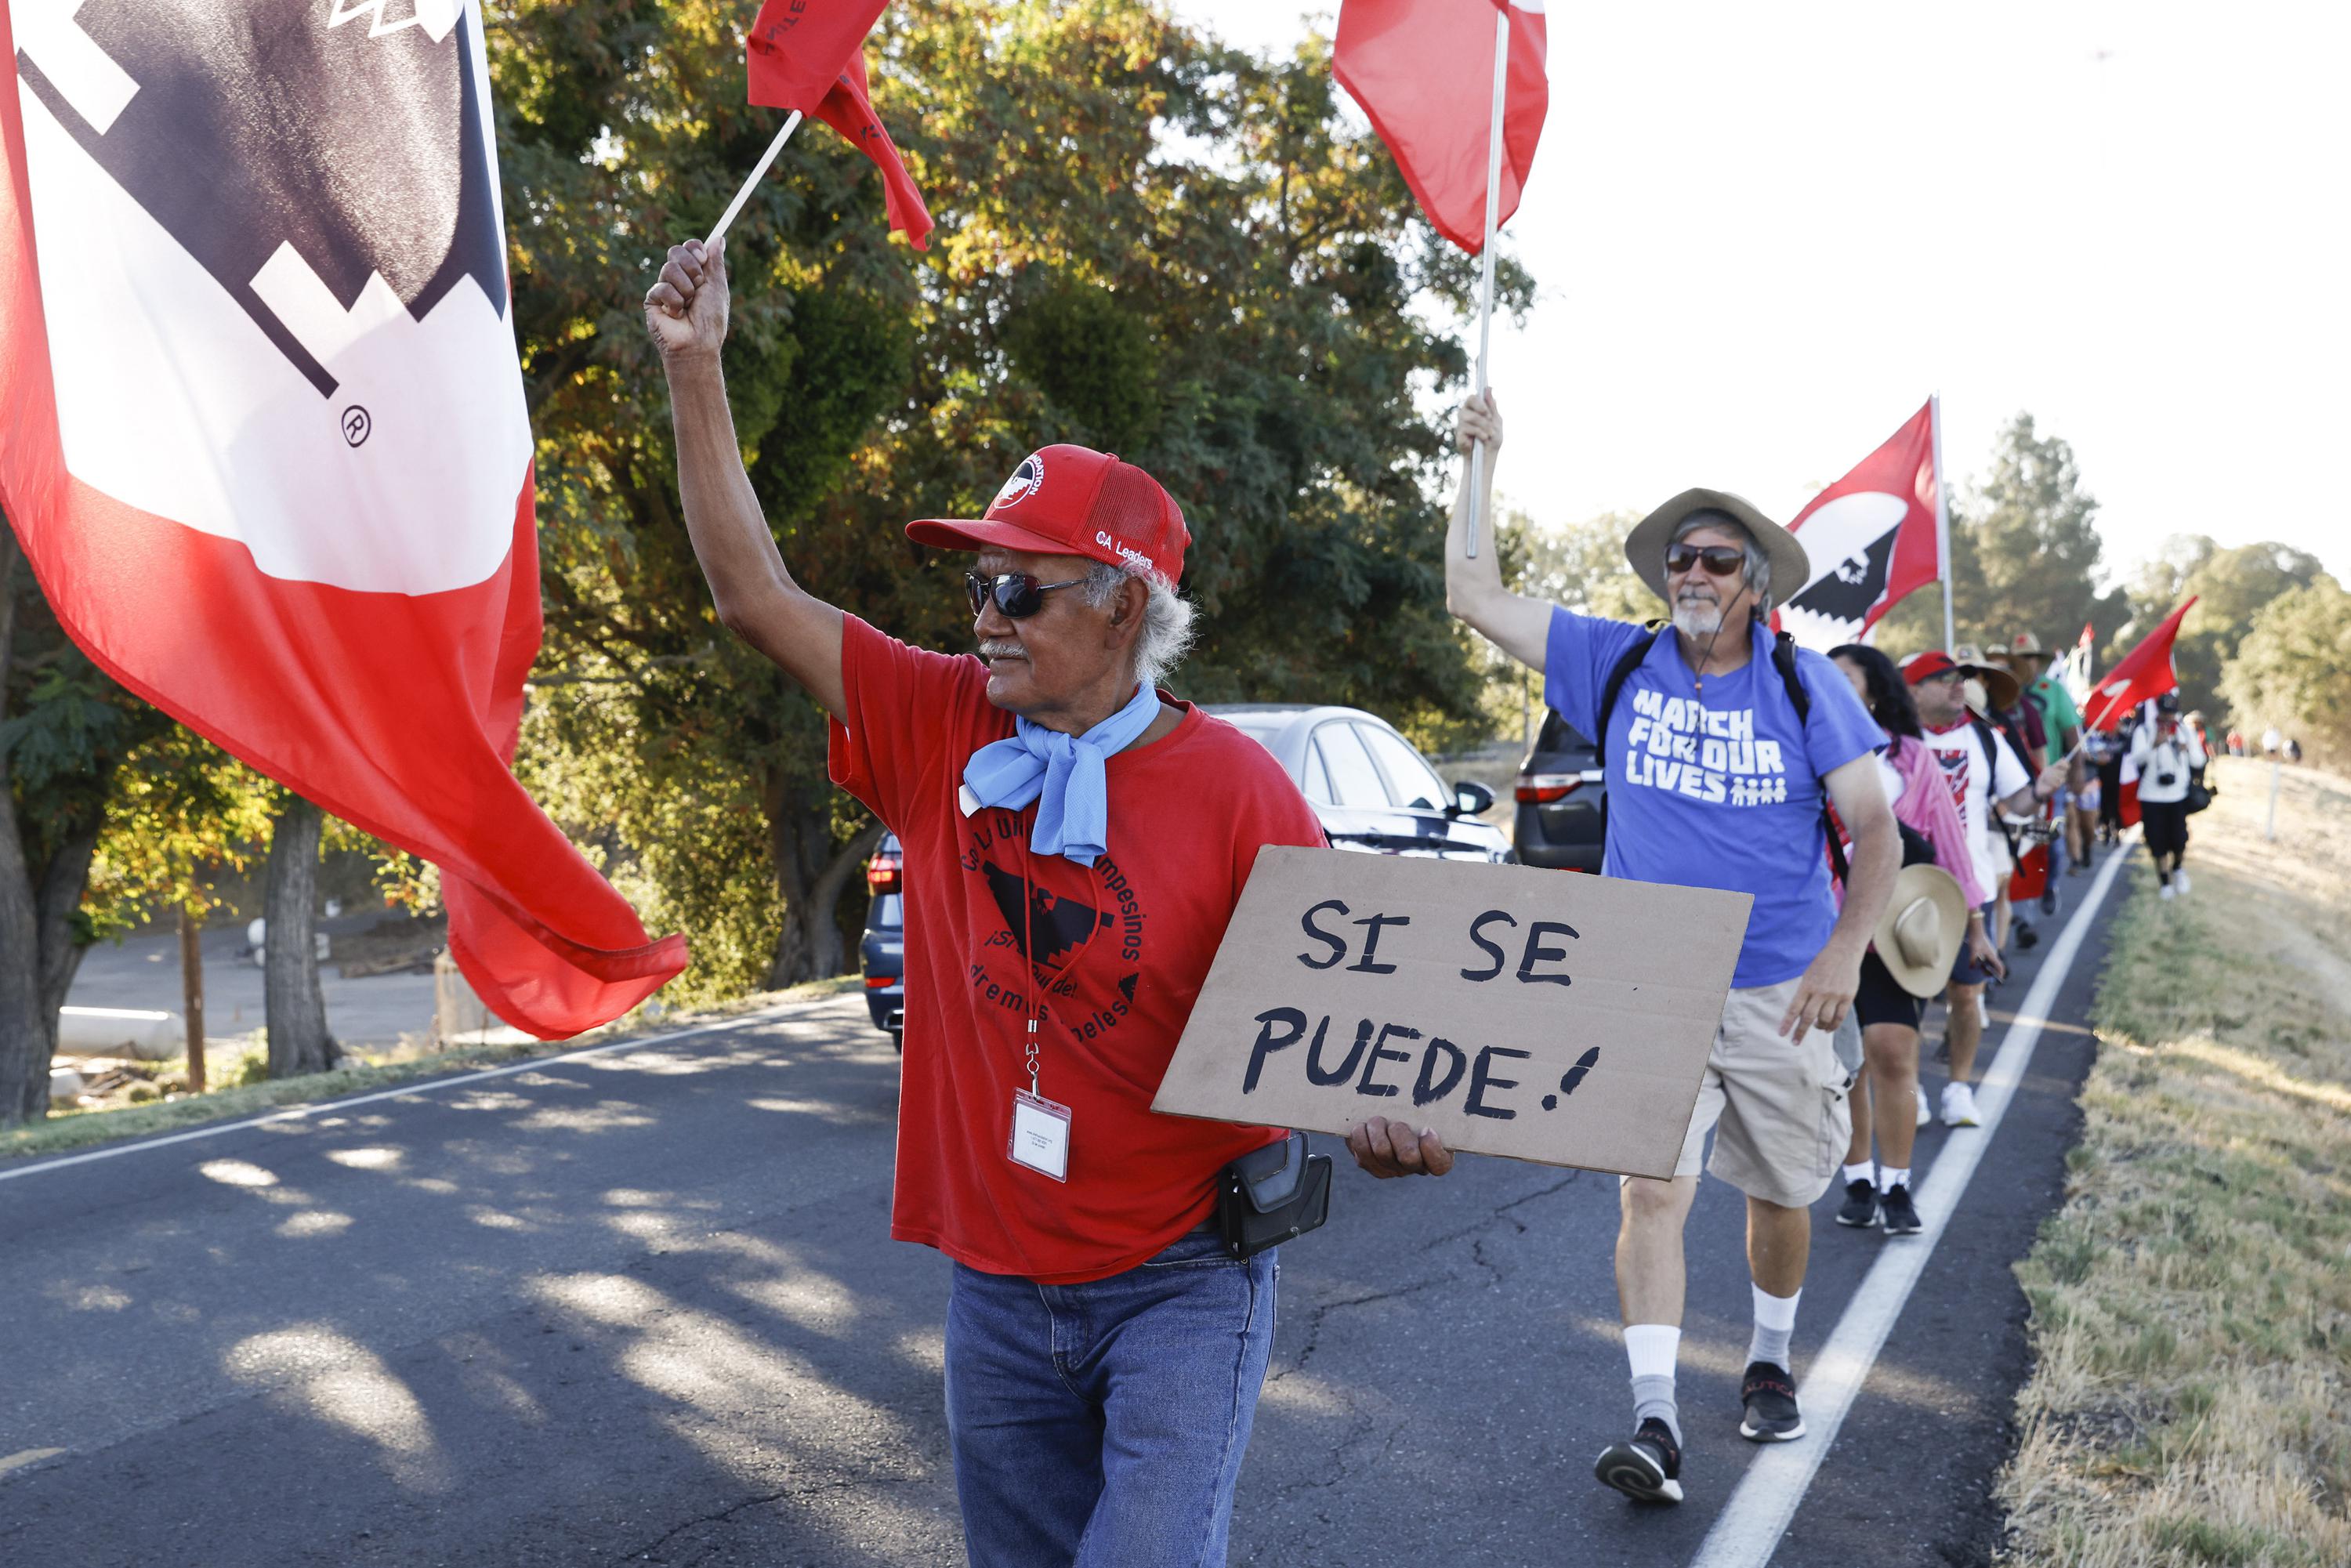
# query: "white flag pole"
[[1942, 518], [759, 173], [1485, 258]]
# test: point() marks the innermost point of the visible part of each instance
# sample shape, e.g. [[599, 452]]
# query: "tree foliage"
[[2293, 670], [2026, 555], [1146, 242], [2231, 586]]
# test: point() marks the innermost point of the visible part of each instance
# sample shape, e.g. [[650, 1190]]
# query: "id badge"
[[1041, 1136]]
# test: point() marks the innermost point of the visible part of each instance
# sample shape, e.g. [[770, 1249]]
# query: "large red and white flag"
[[1871, 538], [263, 436], [789, 42], [1423, 70], [2140, 675]]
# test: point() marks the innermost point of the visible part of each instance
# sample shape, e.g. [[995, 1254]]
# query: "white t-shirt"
[[2159, 759], [1976, 782]]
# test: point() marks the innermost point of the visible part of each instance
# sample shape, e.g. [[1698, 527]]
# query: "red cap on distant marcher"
[[1933, 661], [1073, 500]]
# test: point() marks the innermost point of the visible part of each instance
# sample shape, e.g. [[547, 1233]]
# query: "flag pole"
[[759, 173], [1942, 520], [1486, 259]]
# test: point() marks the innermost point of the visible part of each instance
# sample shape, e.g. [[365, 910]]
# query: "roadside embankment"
[[2190, 1401]]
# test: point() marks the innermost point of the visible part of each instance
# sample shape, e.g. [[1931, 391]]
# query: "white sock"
[[1651, 1349], [1862, 1172], [1889, 1177], [1775, 1322]]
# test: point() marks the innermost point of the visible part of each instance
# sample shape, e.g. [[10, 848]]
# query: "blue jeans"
[[1103, 1425]]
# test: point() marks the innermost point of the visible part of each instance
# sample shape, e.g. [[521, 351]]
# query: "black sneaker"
[[1901, 1213], [2027, 938], [1769, 1395], [1648, 1469], [1860, 1204], [2049, 899]]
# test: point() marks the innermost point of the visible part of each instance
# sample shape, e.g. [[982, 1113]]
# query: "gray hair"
[[1168, 628], [1757, 572]]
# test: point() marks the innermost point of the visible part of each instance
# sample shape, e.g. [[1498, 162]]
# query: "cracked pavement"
[[642, 1308]]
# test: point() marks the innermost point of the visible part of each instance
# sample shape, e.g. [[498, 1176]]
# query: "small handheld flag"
[[808, 56]]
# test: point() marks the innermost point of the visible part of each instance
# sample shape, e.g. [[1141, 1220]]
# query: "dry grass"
[[2191, 1303]]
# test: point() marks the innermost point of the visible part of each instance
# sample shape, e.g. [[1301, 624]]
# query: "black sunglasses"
[[1721, 561], [1017, 594]]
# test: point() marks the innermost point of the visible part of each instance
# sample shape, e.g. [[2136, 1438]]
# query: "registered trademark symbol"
[[356, 425]]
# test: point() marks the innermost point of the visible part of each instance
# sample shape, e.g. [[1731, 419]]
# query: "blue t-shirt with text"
[[1719, 787]]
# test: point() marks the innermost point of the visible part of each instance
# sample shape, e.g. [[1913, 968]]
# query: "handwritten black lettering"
[[1323, 1079], [1338, 947], [1268, 1043], [1380, 1053], [1477, 935], [1481, 1079], [1366, 966], [1426, 1088], [1540, 952]]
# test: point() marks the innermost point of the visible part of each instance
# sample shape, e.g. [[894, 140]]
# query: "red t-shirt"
[[1124, 948]]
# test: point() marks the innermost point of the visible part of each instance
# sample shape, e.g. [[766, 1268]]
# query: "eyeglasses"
[[1017, 594], [1943, 678], [1721, 561]]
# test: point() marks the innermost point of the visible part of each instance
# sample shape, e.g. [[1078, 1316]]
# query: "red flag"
[[1424, 71], [849, 111], [798, 48], [1871, 539], [268, 451], [2144, 672]]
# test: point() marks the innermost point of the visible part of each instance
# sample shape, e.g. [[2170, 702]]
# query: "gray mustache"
[[993, 650]]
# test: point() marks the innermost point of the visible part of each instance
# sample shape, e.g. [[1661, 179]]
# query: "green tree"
[[2293, 670], [65, 728], [1146, 242], [2231, 586]]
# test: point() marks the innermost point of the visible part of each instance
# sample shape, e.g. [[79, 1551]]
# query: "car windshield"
[[1260, 727], [1417, 786]]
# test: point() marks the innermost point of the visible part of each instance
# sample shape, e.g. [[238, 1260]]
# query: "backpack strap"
[[1984, 733], [1628, 662], [1783, 659]]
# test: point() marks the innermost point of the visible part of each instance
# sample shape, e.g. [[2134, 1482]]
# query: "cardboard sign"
[[1537, 1014]]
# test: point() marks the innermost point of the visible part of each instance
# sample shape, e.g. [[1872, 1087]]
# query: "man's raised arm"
[[756, 596], [1513, 622]]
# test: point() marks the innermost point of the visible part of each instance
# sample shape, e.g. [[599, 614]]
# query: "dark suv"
[[883, 948], [1561, 790], [1372, 789]]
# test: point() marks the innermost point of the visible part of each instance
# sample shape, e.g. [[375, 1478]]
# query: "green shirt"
[[2058, 713]]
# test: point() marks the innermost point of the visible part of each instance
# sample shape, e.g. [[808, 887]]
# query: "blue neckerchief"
[[1063, 774]]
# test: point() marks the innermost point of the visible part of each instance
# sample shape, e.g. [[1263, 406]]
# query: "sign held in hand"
[[1537, 1014]]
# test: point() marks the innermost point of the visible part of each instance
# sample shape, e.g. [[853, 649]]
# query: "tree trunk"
[[296, 1008], [811, 875], [192, 994]]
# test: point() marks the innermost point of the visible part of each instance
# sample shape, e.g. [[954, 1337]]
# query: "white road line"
[[1747, 1530], [422, 1086]]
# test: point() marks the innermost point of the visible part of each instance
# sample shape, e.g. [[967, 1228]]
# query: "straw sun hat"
[[1918, 937]]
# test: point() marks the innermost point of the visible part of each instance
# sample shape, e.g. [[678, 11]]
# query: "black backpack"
[[1783, 659]]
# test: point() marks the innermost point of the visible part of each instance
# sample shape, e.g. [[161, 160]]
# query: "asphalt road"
[[640, 1306]]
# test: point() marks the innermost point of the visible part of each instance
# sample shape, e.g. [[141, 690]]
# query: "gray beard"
[[1698, 620]]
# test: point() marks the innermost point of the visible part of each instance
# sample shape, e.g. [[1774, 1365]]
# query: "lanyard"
[[1033, 1010]]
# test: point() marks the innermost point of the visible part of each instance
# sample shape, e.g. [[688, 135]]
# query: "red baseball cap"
[[1933, 661], [1073, 500]]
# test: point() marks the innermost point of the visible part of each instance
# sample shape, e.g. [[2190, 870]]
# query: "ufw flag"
[[2142, 674], [2073, 670], [1871, 538], [1423, 70], [809, 54], [263, 437]]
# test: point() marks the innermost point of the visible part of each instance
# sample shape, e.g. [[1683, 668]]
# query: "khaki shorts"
[[1777, 1110]]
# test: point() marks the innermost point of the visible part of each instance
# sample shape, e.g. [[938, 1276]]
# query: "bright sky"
[[1763, 234]]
